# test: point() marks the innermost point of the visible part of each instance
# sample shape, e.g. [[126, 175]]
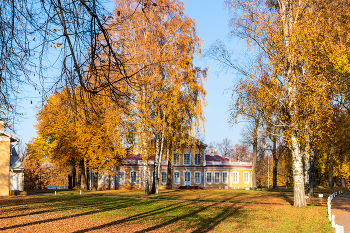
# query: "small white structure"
[[16, 172]]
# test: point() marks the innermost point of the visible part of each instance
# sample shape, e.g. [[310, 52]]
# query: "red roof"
[[138, 157], [217, 158]]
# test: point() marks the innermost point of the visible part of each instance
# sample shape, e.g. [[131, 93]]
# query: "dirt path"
[[341, 209]]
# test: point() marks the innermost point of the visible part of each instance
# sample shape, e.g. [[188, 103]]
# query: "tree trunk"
[[145, 181], [70, 180], [335, 182], [95, 181], [87, 178], [311, 174], [343, 182], [115, 179], [275, 162], [255, 151], [298, 176], [109, 181], [157, 160], [82, 174], [307, 160], [74, 176], [330, 170], [169, 177]]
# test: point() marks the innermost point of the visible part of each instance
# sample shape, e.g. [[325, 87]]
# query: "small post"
[[80, 192], [55, 192], [333, 220]]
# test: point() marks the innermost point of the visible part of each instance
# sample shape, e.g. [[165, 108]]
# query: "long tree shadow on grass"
[[126, 203]]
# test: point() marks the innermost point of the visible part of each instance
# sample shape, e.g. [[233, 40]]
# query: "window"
[[197, 159], [163, 177], [197, 177], [133, 177], [177, 177], [121, 177], [235, 178], [187, 159], [209, 177], [246, 177], [176, 159], [224, 177], [217, 177]]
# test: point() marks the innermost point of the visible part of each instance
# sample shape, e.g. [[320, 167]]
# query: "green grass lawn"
[[280, 196], [75, 213]]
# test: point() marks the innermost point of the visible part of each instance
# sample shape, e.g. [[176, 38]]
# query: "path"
[[341, 209]]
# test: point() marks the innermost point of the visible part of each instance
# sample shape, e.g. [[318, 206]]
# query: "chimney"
[[1, 125], [211, 151]]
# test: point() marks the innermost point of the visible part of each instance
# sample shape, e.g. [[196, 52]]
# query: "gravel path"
[[341, 209]]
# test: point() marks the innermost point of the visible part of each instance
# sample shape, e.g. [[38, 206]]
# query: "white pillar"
[[333, 220]]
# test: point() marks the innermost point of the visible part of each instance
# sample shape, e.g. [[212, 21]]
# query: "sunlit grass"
[[69, 213]]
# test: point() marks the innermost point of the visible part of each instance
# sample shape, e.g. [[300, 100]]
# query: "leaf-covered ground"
[[74, 213], [280, 196]]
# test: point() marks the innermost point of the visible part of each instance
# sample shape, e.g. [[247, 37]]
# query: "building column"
[[204, 180], [140, 177]]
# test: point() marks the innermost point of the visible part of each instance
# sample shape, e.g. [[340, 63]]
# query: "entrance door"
[[14, 181], [187, 178]]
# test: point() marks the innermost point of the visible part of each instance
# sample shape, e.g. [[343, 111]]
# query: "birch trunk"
[[155, 183], [291, 77], [275, 161], [330, 170], [298, 176], [145, 181], [255, 151]]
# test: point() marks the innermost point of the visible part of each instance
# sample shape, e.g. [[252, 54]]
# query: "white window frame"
[[206, 177], [176, 161], [223, 177], [200, 158], [135, 177], [121, 171], [189, 154], [161, 176], [218, 176], [177, 183], [197, 172], [233, 177], [248, 175]]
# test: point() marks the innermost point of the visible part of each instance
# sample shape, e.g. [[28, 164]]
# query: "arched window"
[[133, 177], [235, 178], [163, 177], [197, 177], [209, 177], [177, 175], [246, 177], [217, 177], [121, 177], [224, 177]]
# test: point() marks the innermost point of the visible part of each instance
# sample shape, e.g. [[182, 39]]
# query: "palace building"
[[191, 168]]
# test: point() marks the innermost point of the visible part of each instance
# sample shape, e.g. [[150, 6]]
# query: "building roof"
[[12, 138], [217, 158], [15, 162]]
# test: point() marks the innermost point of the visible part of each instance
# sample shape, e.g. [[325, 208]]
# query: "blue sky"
[[212, 24]]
